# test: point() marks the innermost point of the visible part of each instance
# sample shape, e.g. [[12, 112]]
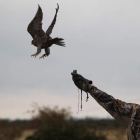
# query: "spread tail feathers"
[[58, 41]]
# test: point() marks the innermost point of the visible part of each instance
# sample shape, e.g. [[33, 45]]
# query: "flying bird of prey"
[[41, 39]]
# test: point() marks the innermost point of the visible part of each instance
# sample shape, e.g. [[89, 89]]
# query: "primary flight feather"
[[41, 39]]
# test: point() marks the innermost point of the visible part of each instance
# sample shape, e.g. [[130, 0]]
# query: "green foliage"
[[54, 124]]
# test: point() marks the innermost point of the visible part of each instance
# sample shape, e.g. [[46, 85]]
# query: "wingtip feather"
[[39, 8], [57, 6]]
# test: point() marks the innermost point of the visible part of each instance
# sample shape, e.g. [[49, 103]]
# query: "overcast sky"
[[102, 42]]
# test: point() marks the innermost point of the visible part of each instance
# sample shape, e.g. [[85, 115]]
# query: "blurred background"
[[102, 43]]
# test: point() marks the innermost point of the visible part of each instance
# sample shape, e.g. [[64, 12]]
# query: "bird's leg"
[[44, 55], [47, 52], [38, 51]]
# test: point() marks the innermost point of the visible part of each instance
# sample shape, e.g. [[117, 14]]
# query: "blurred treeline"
[[57, 124], [9, 130]]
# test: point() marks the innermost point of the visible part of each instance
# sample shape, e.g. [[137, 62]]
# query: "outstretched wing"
[[49, 30], [35, 26]]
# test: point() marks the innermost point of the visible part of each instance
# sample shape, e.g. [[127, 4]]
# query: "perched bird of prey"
[[41, 39]]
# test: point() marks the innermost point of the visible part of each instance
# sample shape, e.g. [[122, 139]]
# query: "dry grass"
[[114, 134], [25, 134], [111, 133]]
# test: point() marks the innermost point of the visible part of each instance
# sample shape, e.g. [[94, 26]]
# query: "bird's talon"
[[34, 55], [42, 56]]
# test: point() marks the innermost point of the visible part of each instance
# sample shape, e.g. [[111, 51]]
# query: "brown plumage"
[[41, 39]]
